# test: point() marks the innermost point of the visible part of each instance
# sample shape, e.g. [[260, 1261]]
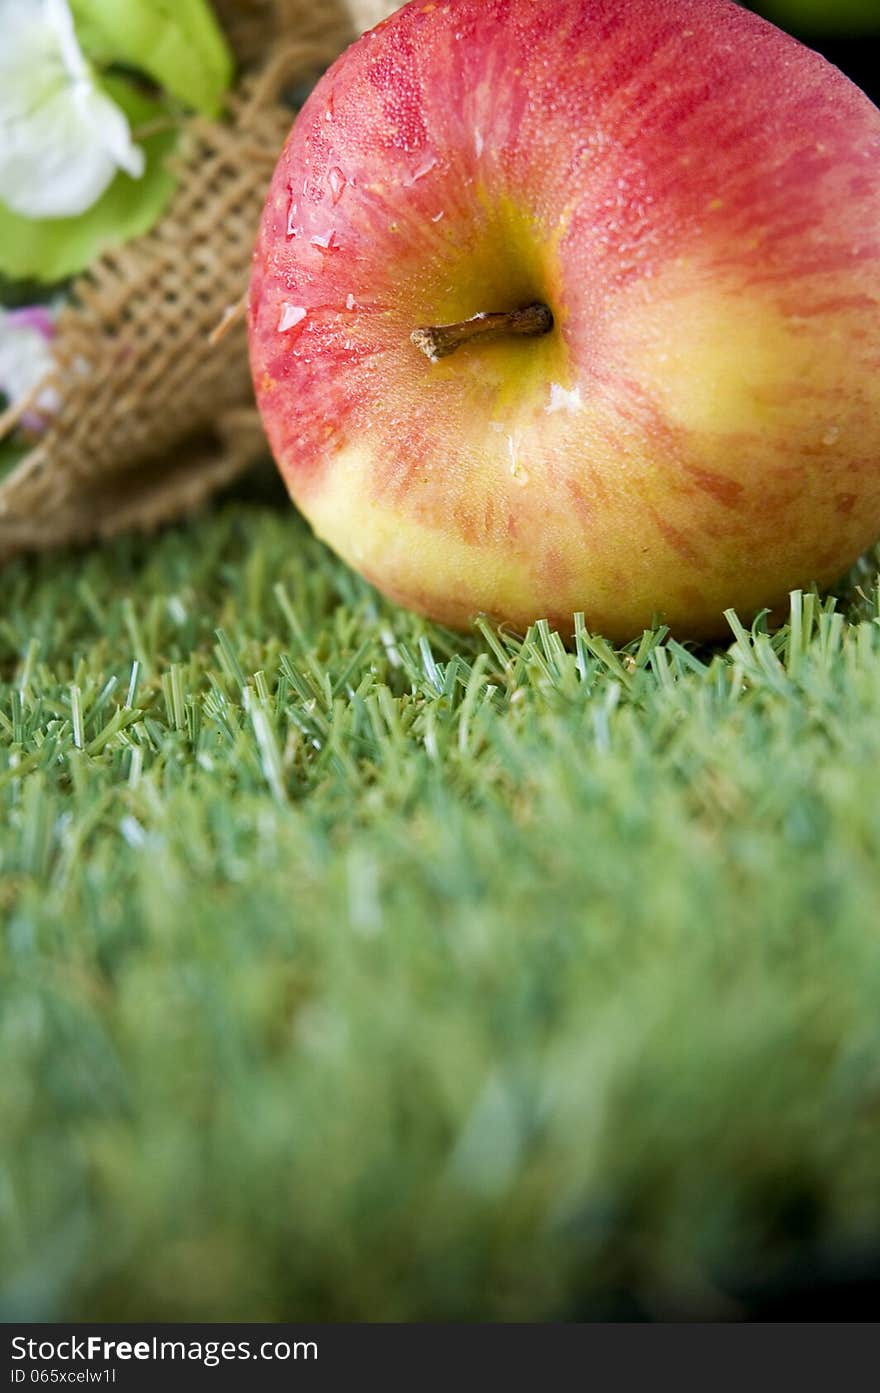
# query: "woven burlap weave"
[[153, 417]]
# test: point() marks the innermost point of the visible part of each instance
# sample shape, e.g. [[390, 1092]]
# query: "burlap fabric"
[[153, 416]]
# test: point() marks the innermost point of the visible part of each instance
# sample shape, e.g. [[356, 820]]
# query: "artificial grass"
[[352, 969]]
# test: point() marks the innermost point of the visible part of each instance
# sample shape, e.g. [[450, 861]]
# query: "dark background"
[[847, 32]]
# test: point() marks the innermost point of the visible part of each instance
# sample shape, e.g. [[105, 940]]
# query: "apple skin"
[[696, 196]]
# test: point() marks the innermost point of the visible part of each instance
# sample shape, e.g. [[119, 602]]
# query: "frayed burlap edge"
[[153, 417]]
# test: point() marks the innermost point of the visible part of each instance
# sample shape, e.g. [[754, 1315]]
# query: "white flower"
[[61, 139], [26, 359]]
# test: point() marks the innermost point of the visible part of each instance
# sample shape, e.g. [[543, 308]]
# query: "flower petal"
[[60, 20], [26, 359], [31, 64], [111, 129]]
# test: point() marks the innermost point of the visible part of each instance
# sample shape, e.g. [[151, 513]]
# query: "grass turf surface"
[[355, 970]]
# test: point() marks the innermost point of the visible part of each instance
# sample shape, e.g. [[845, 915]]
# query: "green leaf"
[[177, 42], [49, 249]]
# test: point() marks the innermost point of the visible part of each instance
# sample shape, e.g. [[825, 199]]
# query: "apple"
[[576, 306]]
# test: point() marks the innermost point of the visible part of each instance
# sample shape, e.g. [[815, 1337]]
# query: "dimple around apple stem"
[[438, 342]]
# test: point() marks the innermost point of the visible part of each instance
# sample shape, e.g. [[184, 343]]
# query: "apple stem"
[[530, 322]]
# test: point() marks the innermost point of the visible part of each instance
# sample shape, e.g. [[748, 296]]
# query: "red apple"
[[694, 197]]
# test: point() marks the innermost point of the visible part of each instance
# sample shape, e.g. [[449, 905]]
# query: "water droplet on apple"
[[517, 472], [338, 183], [438, 216], [350, 301], [423, 169], [291, 316], [293, 229], [478, 142], [562, 400], [327, 242]]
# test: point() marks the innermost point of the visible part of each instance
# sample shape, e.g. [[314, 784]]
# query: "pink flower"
[[26, 360]]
